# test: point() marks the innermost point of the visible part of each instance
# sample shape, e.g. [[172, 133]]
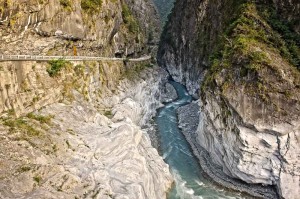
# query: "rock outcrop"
[[169, 93], [164, 8], [56, 27], [190, 36], [88, 147], [245, 59], [73, 129]]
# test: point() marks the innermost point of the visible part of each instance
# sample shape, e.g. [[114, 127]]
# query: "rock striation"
[[65, 27], [80, 150], [74, 129], [169, 93]]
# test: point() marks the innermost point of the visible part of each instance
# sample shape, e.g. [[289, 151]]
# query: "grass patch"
[[23, 169], [129, 20], [23, 126], [37, 179], [108, 114], [79, 70], [42, 119], [66, 4], [55, 66], [91, 6], [241, 47]]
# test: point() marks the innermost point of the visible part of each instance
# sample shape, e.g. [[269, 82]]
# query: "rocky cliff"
[[87, 27], [164, 8], [89, 144], [73, 129], [244, 55]]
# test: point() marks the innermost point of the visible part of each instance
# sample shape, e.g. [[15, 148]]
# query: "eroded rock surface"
[[249, 96], [169, 93], [55, 27], [84, 152]]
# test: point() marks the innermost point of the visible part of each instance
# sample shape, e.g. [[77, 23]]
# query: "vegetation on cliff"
[[129, 19], [257, 51], [91, 5], [55, 66], [65, 3]]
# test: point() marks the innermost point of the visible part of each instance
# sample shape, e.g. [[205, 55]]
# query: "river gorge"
[[149, 99], [190, 182]]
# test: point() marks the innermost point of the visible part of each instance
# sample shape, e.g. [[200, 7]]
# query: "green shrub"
[[91, 5], [291, 50], [65, 3], [42, 119], [22, 125], [56, 66], [129, 19], [37, 179], [244, 48], [108, 114], [79, 70]]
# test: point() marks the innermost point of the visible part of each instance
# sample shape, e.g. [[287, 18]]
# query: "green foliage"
[[66, 3], [91, 6], [24, 168], [79, 70], [21, 124], [42, 119], [108, 114], [56, 66], [11, 112], [292, 39], [129, 19], [244, 50], [37, 179], [25, 125]]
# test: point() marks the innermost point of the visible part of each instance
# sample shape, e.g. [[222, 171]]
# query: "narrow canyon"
[[149, 99]]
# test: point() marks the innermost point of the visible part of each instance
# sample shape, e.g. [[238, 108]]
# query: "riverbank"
[[190, 123], [190, 182]]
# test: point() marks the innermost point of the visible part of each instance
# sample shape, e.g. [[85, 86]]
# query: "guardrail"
[[68, 58]]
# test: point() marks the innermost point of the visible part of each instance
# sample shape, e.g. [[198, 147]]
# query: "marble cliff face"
[[56, 27], [237, 58], [73, 129], [90, 147]]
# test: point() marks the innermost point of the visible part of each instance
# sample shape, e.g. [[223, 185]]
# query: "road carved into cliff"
[[68, 58]]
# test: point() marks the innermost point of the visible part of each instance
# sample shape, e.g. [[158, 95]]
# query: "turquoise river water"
[[189, 180]]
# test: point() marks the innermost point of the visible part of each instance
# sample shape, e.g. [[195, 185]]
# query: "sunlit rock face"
[[56, 27], [78, 133], [86, 150]]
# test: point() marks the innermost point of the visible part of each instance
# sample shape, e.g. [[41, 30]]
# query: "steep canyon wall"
[[241, 58], [73, 129]]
